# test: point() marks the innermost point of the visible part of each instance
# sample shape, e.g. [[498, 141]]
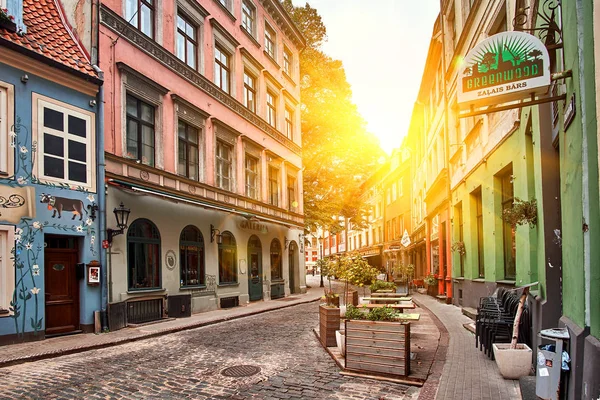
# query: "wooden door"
[[62, 290]]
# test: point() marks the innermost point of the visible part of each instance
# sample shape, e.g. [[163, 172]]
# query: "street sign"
[[405, 239]]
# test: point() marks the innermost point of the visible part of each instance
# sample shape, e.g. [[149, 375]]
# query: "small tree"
[[358, 271]]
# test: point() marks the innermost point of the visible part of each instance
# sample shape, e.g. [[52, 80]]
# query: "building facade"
[[203, 147], [49, 134]]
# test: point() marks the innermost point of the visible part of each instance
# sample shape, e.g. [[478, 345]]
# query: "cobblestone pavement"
[[188, 364], [468, 373]]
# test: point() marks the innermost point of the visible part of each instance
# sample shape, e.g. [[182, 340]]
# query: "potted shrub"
[[382, 285], [376, 342], [514, 359], [432, 284]]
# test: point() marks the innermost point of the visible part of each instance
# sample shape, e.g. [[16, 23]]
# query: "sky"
[[383, 45]]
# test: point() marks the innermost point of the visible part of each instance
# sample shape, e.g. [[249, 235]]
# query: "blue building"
[[50, 274]]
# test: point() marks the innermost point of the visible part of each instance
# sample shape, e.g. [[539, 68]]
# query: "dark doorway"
[[255, 269], [292, 266], [61, 285]]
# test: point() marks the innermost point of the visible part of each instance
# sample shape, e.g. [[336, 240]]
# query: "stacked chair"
[[495, 320]]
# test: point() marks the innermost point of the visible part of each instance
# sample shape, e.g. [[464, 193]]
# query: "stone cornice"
[[283, 19], [135, 37]]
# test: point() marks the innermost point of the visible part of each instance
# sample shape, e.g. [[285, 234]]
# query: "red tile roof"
[[49, 35]]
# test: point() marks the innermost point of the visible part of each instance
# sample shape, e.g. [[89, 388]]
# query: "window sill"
[[145, 291], [232, 284], [506, 282], [481, 280], [250, 36], [270, 57], [277, 281], [289, 78], [228, 11], [191, 287], [459, 278]]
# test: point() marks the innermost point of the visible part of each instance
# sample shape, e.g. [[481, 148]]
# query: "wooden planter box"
[[432, 290], [329, 322], [378, 347], [352, 297]]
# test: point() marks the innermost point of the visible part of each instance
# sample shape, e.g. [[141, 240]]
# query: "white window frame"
[[39, 102], [7, 112], [7, 266], [271, 108], [219, 182], [288, 62], [253, 17], [273, 53]]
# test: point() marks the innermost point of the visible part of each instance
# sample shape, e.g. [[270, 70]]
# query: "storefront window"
[[276, 266], [143, 252], [227, 259], [191, 257]]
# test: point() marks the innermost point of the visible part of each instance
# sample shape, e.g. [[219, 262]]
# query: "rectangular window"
[[509, 244], [140, 13], [223, 165], [289, 123], [248, 17], [7, 267], [479, 221], [222, 70], [188, 164], [287, 61], [400, 189], [291, 192], [187, 42], [394, 191], [251, 176], [271, 109], [7, 142], [270, 41], [273, 186], [249, 92], [140, 130], [459, 217], [66, 139]]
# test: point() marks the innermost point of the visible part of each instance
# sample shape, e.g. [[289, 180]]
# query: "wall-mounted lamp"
[[24, 78], [286, 243], [93, 208], [214, 232], [121, 215]]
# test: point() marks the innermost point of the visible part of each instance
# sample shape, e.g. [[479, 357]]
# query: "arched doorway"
[[293, 266], [255, 268]]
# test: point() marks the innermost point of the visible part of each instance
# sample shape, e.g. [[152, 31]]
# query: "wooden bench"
[[387, 299], [388, 294], [409, 317]]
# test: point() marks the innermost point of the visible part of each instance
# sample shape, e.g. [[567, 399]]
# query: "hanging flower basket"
[[522, 212], [459, 247]]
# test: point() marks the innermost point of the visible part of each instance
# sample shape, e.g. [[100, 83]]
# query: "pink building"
[[202, 140]]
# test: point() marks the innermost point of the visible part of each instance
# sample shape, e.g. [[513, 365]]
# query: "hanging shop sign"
[[405, 239], [504, 67]]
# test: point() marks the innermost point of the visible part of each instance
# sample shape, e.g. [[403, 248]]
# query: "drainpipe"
[[585, 165], [101, 193]]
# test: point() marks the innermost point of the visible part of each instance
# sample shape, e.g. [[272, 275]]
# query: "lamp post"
[[321, 257]]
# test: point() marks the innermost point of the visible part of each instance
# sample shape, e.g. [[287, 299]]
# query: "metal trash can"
[[549, 363]]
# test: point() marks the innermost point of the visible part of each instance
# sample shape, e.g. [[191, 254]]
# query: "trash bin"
[[550, 362]]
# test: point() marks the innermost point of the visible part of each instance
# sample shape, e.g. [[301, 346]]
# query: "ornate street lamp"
[[122, 216]]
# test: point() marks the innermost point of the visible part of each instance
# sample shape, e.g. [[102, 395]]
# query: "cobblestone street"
[[189, 364]]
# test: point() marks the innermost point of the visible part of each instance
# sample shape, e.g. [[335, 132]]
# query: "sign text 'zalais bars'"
[[504, 67]]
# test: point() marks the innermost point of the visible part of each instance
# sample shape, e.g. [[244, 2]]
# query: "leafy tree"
[[338, 152]]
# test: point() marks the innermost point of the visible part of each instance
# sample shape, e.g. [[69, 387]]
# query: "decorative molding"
[[219, 28], [283, 20], [135, 37]]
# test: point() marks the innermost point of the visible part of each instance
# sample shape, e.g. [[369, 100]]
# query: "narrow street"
[[292, 363]]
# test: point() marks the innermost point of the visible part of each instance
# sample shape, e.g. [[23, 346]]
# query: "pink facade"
[[226, 73]]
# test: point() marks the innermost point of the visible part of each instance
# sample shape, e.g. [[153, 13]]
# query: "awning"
[[159, 193]]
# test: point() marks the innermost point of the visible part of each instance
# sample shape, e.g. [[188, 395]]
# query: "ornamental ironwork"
[[549, 31]]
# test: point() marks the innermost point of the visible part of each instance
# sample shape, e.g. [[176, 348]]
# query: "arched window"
[[276, 263], [143, 255], [191, 257], [227, 259]]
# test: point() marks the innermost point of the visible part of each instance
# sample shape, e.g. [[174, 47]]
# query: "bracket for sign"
[[522, 104]]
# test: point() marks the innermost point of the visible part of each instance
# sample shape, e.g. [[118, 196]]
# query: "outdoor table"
[[388, 294], [400, 307], [393, 299]]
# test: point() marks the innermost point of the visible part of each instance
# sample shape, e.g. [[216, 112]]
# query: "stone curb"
[[118, 341], [431, 385]]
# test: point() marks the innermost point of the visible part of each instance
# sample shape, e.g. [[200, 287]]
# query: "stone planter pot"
[[378, 347], [329, 322], [513, 363], [432, 290]]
